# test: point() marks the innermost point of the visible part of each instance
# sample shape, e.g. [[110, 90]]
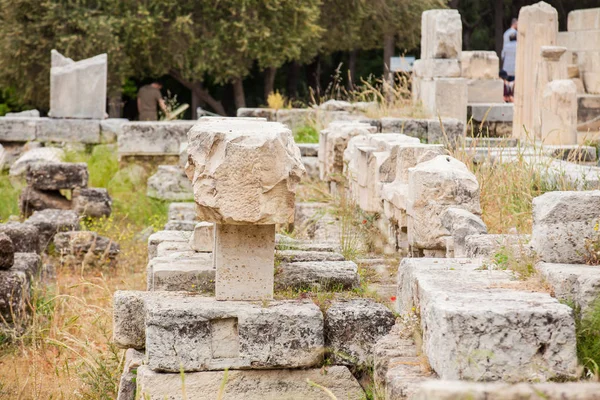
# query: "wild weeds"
[[587, 328]]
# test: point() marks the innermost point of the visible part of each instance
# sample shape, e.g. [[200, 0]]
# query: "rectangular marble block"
[[245, 260]]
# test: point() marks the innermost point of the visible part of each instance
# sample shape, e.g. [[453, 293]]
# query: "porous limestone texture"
[[180, 225], [245, 260], [317, 275], [203, 237], [56, 176], [14, 295], [166, 236], [434, 186], [18, 129], [488, 245], [443, 97], [289, 256], [92, 202], [36, 155], [192, 333], [243, 171], [165, 249], [562, 222], [462, 223], [170, 183], [29, 263], [49, 222], [152, 138], [576, 283], [559, 113], [127, 384], [352, 328], [182, 211], [460, 390], [479, 64], [78, 89], [129, 318], [68, 130], [476, 328], [288, 384], [182, 272], [7, 252], [441, 34], [23, 236]]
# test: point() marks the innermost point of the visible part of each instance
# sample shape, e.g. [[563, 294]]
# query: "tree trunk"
[[195, 104], [352, 68], [238, 93], [292, 79], [388, 53], [498, 28], [269, 81], [115, 105], [313, 71], [203, 95]]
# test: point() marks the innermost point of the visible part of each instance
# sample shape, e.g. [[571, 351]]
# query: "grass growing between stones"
[[66, 352], [306, 134], [9, 197], [588, 340]]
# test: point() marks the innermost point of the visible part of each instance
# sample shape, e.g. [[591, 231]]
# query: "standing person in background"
[[509, 51], [149, 98]]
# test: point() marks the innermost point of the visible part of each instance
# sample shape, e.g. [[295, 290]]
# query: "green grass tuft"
[[588, 338], [306, 134]]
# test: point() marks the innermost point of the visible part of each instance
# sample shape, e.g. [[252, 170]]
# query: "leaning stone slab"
[[318, 275], [474, 329], [562, 222], [289, 256], [165, 236], [18, 129], [36, 155], [78, 89], [127, 384], [288, 384], [68, 130], [187, 274], [169, 183], [353, 327], [49, 222], [575, 283], [56, 176], [461, 224], [92, 202], [129, 318], [24, 236], [151, 138], [192, 333], [460, 390], [228, 187]]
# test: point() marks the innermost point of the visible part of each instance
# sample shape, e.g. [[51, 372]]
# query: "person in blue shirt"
[[509, 50]]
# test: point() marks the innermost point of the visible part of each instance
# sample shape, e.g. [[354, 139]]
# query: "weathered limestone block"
[[151, 138], [29, 263], [283, 243], [127, 384], [166, 236], [485, 90], [479, 64], [588, 65], [78, 244], [538, 26], [408, 126], [245, 261], [24, 114], [337, 135], [562, 222], [461, 390], [270, 114], [170, 183], [49, 222], [203, 237], [577, 283], [3, 158], [194, 273], [32, 200], [23, 236], [353, 327], [317, 275], [441, 34], [444, 97], [434, 186], [56, 176], [182, 211], [36, 155], [488, 245], [461, 223], [110, 129], [309, 149], [243, 171], [559, 113], [192, 333], [300, 255], [14, 295], [311, 165], [491, 112], [165, 249], [7, 252], [14, 129], [92, 202], [180, 225], [292, 117], [473, 329], [437, 68], [78, 89], [583, 20], [129, 316], [250, 385], [450, 133], [68, 130]]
